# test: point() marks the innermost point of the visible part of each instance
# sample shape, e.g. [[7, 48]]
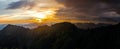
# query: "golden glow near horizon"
[[42, 11], [40, 16]]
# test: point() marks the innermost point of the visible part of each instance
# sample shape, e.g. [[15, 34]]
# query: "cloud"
[[21, 4], [30, 4], [95, 10], [86, 10]]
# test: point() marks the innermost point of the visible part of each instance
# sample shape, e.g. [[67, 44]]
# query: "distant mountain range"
[[29, 25], [79, 25], [60, 36]]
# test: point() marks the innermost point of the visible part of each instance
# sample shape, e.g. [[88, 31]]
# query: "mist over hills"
[[60, 36]]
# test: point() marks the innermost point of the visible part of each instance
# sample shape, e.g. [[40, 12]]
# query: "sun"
[[40, 16]]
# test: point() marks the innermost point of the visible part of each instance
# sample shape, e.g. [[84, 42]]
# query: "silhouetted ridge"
[[15, 36], [60, 36], [64, 26], [13, 28], [9, 26], [90, 25]]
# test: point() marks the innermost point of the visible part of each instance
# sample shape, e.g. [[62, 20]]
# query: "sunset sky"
[[52, 11]]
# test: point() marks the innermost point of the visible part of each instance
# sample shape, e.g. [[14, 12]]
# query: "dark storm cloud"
[[91, 9], [20, 4]]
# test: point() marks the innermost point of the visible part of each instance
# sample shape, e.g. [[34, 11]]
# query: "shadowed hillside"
[[60, 36]]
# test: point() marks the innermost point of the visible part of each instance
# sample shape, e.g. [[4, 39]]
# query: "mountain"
[[65, 26], [79, 25], [28, 25], [63, 35], [13, 28], [90, 25], [14, 36]]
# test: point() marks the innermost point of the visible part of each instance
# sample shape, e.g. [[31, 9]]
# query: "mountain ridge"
[[60, 36]]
